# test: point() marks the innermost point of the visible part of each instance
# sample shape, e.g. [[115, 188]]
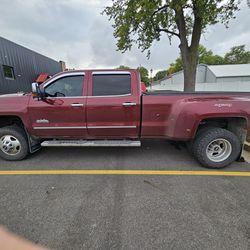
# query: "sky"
[[74, 31]]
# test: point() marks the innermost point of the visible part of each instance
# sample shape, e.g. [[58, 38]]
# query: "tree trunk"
[[190, 72], [189, 54], [189, 69]]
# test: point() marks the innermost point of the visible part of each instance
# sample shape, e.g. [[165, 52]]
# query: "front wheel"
[[13, 143], [216, 148]]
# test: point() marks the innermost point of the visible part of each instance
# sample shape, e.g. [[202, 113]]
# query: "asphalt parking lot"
[[106, 211]]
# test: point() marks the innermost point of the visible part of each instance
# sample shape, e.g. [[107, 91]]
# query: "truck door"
[[113, 105], [63, 112]]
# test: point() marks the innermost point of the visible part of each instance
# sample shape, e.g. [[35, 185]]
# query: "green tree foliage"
[[204, 56], [208, 57], [237, 55], [144, 75], [123, 67], [160, 75], [175, 67], [143, 72], [144, 21]]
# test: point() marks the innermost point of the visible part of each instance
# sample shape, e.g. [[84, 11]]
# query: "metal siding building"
[[231, 77], [25, 64]]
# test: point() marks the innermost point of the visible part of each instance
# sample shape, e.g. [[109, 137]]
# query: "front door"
[[63, 112], [113, 106]]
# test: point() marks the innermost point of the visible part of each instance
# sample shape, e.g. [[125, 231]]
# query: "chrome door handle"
[[128, 104], [76, 105]]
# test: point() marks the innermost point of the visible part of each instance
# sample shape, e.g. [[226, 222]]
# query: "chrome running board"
[[93, 143]]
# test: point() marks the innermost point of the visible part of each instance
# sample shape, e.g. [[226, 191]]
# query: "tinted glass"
[[67, 86], [8, 72], [111, 84]]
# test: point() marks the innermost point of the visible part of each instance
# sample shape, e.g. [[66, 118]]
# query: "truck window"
[[111, 84], [66, 86]]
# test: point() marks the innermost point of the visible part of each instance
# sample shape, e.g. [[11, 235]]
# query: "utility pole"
[[151, 80]]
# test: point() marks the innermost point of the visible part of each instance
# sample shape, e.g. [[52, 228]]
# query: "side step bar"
[[93, 143]]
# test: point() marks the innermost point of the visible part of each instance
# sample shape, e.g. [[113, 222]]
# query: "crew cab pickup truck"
[[107, 108]]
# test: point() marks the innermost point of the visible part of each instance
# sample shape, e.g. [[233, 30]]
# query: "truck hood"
[[12, 103]]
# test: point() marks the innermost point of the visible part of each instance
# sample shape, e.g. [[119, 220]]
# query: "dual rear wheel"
[[216, 147]]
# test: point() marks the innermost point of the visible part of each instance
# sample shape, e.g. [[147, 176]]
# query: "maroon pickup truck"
[[107, 108]]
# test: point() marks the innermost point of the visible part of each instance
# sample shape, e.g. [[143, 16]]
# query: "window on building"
[[66, 86], [111, 84], [8, 72]]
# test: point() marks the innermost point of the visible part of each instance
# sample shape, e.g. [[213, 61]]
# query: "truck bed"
[[177, 115]]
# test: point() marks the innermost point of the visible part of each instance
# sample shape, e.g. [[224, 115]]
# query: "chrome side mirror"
[[36, 91]]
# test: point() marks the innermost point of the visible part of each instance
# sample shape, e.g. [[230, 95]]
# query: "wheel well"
[[34, 142], [236, 125], [10, 120]]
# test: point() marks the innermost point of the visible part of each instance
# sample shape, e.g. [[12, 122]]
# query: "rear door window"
[[111, 84]]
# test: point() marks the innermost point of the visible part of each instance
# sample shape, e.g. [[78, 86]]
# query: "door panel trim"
[[76, 127], [111, 127]]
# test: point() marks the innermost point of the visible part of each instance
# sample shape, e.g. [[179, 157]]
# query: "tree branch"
[[196, 34], [197, 29], [161, 29], [180, 21], [168, 31], [160, 9]]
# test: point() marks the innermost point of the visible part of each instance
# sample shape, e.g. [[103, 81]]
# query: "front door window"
[[67, 86]]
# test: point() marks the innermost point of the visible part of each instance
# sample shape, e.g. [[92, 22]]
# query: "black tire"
[[190, 144], [17, 134], [213, 137]]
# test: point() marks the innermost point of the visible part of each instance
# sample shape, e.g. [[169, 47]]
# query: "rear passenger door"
[[113, 105]]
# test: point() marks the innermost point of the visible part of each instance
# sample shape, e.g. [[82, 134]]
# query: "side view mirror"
[[37, 93]]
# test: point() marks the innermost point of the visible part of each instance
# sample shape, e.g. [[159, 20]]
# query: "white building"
[[231, 77]]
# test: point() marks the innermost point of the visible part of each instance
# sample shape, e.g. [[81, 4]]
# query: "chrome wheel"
[[219, 150], [10, 145]]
